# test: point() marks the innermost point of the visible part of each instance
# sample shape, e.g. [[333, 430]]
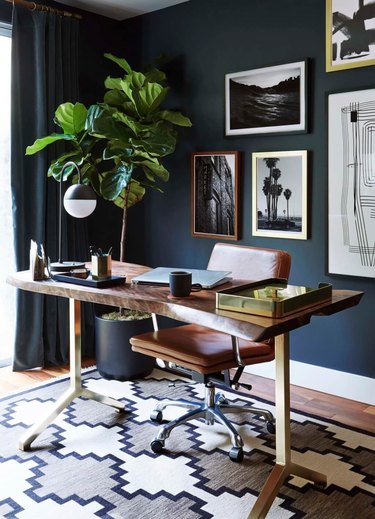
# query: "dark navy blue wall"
[[207, 39]]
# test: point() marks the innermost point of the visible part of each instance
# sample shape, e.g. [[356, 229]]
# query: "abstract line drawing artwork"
[[351, 183], [350, 34]]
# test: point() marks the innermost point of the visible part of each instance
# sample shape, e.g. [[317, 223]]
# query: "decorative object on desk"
[[267, 100], [351, 183], [101, 266], [215, 194], [271, 298], [280, 194], [38, 262], [196, 479], [350, 41]]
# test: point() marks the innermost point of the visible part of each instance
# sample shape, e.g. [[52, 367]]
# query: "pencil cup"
[[101, 267]]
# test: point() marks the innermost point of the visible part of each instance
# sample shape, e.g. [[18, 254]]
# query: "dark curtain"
[[44, 74]]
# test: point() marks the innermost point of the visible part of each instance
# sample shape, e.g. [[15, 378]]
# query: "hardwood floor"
[[348, 412]]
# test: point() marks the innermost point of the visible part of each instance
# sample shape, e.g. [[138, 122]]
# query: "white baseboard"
[[339, 383]]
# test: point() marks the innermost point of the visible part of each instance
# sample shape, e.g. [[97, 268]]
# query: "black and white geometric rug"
[[93, 462]]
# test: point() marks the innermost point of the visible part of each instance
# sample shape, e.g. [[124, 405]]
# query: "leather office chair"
[[208, 351]]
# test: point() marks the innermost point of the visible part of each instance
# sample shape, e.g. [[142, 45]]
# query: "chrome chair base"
[[212, 409]]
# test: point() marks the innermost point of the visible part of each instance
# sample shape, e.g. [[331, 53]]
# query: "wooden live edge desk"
[[199, 310]]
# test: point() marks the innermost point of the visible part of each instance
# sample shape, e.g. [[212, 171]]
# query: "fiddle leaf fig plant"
[[120, 143]]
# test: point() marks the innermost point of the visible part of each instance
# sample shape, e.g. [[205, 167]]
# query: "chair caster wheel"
[[271, 427], [156, 416], [222, 400], [157, 446], [236, 454]]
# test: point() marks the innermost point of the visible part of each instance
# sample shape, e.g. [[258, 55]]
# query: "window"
[[7, 293]]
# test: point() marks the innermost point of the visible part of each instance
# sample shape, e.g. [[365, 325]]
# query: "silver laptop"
[[206, 278]]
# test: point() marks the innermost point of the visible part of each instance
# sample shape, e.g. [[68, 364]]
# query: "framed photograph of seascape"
[[350, 34], [267, 100], [280, 194], [351, 183], [214, 186]]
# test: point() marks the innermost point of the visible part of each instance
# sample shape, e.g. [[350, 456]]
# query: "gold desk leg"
[[75, 388], [284, 467]]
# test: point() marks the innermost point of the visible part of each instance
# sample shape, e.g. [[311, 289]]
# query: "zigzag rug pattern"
[[93, 462]]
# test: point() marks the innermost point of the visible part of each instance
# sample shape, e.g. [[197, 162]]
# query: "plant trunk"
[[124, 225], [123, 234]]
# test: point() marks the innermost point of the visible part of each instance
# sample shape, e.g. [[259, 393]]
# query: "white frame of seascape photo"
[[267, 100]]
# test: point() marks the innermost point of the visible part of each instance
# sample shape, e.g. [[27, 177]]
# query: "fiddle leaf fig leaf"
[[157, 169], [41, 143], [137, 79], [106, 127], [71, 117], [112, 83], [115, 181], [115, 150], [155, 76], [135, 194], [121, 62], [149, 93], [175, 118], [160, 141], [115, 97]]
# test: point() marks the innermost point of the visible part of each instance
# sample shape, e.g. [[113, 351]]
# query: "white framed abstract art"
[[351, 183]]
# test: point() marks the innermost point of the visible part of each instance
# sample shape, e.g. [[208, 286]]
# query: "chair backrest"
[[250, 263]]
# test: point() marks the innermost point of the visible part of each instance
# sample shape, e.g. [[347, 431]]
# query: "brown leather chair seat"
[[200, 349]]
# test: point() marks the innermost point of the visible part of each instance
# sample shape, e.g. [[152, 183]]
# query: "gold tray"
[[271, 297]]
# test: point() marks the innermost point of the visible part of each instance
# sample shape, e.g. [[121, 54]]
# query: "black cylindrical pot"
[[114, 356]]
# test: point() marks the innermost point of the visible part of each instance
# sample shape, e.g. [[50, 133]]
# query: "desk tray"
[[89, 282], [271, 298]]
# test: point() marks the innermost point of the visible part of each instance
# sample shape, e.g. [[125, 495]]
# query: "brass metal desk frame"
[[201, 311]]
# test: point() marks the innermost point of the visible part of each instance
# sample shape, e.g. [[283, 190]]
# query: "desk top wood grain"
[[199, 308]]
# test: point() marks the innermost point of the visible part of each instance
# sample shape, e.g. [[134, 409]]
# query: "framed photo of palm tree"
[[350, 34], [280, 194]]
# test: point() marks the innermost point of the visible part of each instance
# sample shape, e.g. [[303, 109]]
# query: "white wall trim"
[[339, 383]]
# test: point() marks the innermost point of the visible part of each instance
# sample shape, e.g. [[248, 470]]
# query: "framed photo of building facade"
[[350, 34], [266, 100], [280, 194], [351, 183], [215, 194]]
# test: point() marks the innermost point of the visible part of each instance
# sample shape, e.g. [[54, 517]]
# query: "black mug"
[[180, 284]]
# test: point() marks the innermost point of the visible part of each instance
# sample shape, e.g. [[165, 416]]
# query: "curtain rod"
[[39, 7]]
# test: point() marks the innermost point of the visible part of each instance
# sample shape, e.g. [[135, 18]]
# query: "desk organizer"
[[271, 298], [89, 282]]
